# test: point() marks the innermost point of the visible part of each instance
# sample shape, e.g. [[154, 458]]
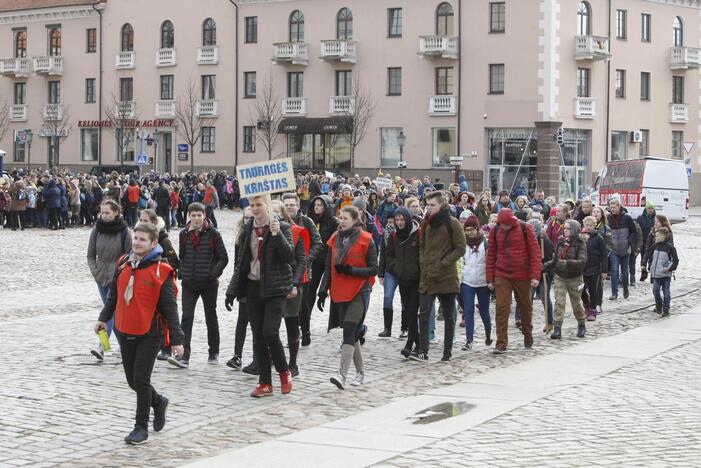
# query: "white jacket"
[[474, 267]]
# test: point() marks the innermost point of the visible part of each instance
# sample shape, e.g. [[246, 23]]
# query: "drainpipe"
[[457, 171], [236, 85], [607, 148], [98, 7]]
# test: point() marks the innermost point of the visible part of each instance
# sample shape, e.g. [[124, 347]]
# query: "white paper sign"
[[263, 178]]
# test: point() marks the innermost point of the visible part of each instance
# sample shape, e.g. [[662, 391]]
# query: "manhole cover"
[[84, 359], [441, 411]]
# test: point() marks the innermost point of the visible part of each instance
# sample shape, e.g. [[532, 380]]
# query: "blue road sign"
[[142, 159], [182, 148]]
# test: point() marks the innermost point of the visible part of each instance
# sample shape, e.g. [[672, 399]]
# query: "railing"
[[585, 107], [341, 105], [591, 47], [52, 112], [15, 66], [49, 65], [294, 106], [208, 55], [165, 109], [338, 50], [125, 59], [18, 112], [294, 52], [165, 57], [679, 113], [442, 105], [682, 58], [125, 109], [444, 46], [208, 108]]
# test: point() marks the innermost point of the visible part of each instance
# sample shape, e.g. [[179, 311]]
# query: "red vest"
[[298, 231], [345, 287]]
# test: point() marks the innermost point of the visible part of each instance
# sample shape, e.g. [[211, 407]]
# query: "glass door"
[[319, 152], [167, 152]]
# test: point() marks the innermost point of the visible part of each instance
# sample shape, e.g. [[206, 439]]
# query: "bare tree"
[[4, 118], [359, 113], [122, 117], [266, 117], [188, 122], [57, 125]]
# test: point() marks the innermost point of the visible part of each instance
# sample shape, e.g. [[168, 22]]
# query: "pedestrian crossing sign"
[[142, 159]]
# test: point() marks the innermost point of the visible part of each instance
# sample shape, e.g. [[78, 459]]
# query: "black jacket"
[[401, 258], [162, 198], [316, 244], [327, 225], [201, 267], [597, 255]]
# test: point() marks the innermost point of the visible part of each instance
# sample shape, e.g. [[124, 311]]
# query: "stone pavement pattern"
[[61, 407]]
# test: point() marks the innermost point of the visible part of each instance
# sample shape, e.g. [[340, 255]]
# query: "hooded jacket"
[[402, 257], [326, 225], [597, 255], [442, 243], [570, 257], [663, 260], [52, 195]]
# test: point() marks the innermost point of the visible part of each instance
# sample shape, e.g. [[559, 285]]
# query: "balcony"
[[125, 60], [341, 105], [18, 113], [584, 107], [207, 108], [290, 52], [294, 106], [684, 58], [679, 113], [52, 112], [343, 51], [442, 105], [208, 55], [17, 67], [591, 48], [125, 109], [165, 109], [48, 65], [165, 57], [438, 47]]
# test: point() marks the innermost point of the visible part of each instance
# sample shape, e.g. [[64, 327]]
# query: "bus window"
[[634, 177]]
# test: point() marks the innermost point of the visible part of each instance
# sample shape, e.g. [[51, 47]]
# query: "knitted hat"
[[506, 216], [360, 204], [472, 222], [649, 205]]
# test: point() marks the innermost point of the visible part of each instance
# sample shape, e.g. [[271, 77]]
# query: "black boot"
[[658, 308], [306, 339], [251, 369], [581, 329], [665, 313], [625, 292], [557, 333], [387, 332], [488, 339], [294, 350]]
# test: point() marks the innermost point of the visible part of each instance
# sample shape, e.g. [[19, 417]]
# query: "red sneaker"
[[262, 390], [285, 382]]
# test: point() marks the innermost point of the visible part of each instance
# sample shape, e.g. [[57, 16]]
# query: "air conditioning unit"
[[636, 136]]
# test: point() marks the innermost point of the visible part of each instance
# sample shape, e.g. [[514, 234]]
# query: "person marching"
[[242, 319], [349, 274], [662, 261], [142, 301], [474, 282], [596, 266]]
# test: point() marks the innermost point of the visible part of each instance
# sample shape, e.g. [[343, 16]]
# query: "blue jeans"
[[468, 294], [103, 295], [390, 286], [619, 266], [432, 322], [663, 283]]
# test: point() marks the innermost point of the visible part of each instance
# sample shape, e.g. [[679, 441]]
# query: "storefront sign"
[[128, 123], [267, 177]]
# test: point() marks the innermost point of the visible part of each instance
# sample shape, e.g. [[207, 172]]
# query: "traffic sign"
[[688, 146], [142, 159], [182, 148], [456, 160]]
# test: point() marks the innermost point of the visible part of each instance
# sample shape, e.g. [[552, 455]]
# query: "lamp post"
[[30, 136], [401, 141]]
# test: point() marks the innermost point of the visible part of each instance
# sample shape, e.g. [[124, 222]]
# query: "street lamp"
[[401, 141], [30, 136]]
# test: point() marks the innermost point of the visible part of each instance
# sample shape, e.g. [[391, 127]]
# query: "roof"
[[20, 5]]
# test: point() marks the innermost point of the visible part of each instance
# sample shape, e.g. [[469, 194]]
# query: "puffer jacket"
[[52, 195], [650, 241], [513, 254], [572, 265], [474, 267], [597, 255], [402, 257], [441, 245], [201, 266], [623, 234], [660, 255]]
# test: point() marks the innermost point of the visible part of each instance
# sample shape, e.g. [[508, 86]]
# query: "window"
[[167, 86], [208, 135], [55, 42], [621, 24], [251, 30], [444, 146], [126, 143], [444, 80], [444, 20], [394, 22], [167, 35], [249, 84], [344, 82], [394, 81], [619, 146], [620, 83], [249, 139], [678, 32], [209, 32], [296, 26], [127, 38], [344, 25], [91, 40], [20, 43], [645, 27], [19, 150], [583, 75], [88, 144], [389, 146], [497, 17], [295, 84], [90, 90], [644, 86], [126, 89], [583, 19], [54, 92], [678, 90], [209, 83], [677, 145], [644, 149], [20, 94], [496, 79]]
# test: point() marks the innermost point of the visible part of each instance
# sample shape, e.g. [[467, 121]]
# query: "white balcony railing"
[[294, 106], [165, 109], [291, 52], [341, 105], [48, 65], [679, 113], [207, 108], [18, 112], [585, 107], [208, 55], [591, 48], [125, 60], [683, 58], [438, 46], [14, 67], [338, 50], [165, 57], [52, 112], [442, 105], [125, 109]]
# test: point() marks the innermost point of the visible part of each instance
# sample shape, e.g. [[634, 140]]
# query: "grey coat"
[[103, 252]]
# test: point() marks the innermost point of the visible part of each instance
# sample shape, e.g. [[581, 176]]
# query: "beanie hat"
[[537, 226], [472, 222], [506, 216], [553, 211], [360, 204], [649, 205]]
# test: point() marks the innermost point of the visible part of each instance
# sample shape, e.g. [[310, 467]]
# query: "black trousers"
[[209, 300], [164, 212], [309, 297], [138, 357], [265, 315], [593, 292], [410, 309], [241, 326], [54, 216], [447, 302]]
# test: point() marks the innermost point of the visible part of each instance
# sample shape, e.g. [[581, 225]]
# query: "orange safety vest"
[[345, 287], [298, 231]]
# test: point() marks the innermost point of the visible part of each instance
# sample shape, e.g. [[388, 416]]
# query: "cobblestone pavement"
[[63, 408]]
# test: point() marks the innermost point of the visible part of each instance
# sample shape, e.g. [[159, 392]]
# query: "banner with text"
[[264, 178]]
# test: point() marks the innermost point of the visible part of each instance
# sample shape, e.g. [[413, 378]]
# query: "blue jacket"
[[63, 197], [52, 195], [384, 210], [499, 206]]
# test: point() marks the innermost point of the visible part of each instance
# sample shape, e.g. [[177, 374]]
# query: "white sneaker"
[[359, 379], [339, 381]]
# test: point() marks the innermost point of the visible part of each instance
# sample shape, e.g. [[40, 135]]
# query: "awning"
[[316, 125]]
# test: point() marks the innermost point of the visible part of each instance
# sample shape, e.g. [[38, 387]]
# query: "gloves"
[[344, 269], [229, 302], [643, 275], [322, 300]]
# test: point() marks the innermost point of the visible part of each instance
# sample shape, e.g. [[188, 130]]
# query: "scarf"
[[111, 227], [344, 241], [134, 262], [260, 235], [566, 247], [475, 240], [404, 233], [195, 236]]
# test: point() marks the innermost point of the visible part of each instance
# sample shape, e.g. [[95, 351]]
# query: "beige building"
[[355, 86]]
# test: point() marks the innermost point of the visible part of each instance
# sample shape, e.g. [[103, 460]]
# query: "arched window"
[[127, 42], [344, 25], [167, 35], [583, 19], [55, 42], [678, 32], [209, 32], [444, 20], [296, 26]]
